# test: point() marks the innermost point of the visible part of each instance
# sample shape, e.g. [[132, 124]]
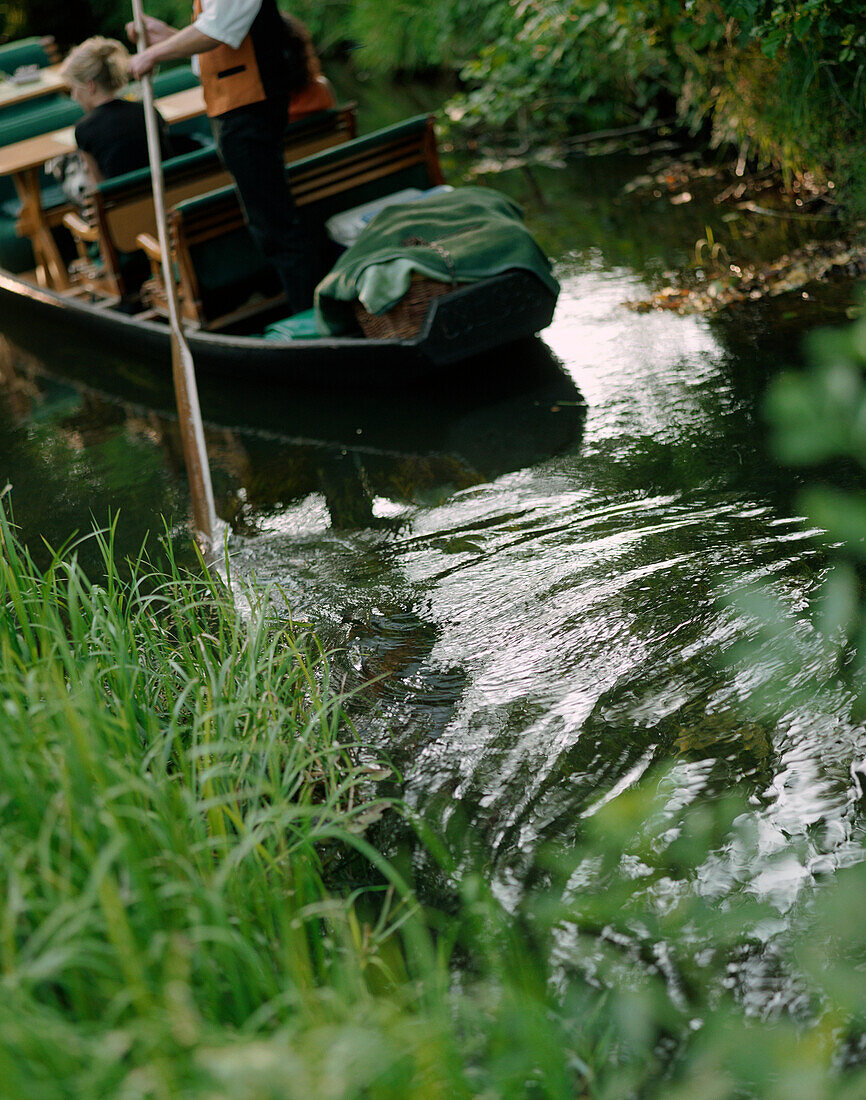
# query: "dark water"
[[530, 562]]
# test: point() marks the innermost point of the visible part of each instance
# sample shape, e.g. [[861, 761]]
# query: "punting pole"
[[183, 369]]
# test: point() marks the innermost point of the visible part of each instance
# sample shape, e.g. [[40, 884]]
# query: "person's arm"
[[222, 24], [181, 45], [155, 29]]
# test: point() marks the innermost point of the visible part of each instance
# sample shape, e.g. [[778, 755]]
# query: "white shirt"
[[227, 21]]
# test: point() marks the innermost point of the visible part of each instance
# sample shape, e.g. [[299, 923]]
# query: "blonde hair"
[[102, 60]]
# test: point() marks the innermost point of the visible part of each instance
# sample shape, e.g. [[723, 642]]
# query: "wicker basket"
[[403, 320]]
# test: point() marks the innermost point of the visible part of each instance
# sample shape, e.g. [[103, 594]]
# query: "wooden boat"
[[83, 277]]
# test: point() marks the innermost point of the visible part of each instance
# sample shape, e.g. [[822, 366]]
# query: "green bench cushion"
[[25, 51], [42, 119]]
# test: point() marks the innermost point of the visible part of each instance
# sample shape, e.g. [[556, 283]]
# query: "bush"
[[550, 69]]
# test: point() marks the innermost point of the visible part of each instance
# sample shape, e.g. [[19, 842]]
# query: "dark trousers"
[[250, 143]]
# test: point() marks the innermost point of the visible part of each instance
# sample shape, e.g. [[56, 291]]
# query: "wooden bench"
[[120, 213], [42, 117], [222, 277]]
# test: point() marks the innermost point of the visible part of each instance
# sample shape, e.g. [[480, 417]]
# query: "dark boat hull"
[[459, 326]]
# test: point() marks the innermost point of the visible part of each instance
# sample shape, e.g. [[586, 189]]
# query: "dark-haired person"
[[317, 94], [249, 66]]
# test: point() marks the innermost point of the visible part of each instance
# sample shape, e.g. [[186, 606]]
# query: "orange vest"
[[229, 78]]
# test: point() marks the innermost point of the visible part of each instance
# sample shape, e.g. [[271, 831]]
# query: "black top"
[[114, 134]]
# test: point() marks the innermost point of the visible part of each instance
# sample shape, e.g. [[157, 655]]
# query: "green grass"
[[178, 781]]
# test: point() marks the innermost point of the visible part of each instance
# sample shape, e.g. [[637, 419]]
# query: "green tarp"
[[469, 234]]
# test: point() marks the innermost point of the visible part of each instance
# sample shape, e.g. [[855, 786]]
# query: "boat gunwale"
[[17, 284]]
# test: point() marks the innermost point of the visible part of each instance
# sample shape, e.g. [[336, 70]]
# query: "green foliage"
[[553, 67], [389, 36], [819, 420], [550, 66]]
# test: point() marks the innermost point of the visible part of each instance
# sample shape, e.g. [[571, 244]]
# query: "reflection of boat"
[[495, 420], [229, 297]]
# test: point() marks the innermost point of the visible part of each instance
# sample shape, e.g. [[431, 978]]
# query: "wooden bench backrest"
[[343, 175], [123, 215], [316, 182]]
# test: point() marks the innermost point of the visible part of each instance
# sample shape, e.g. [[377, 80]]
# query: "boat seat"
[[218, 265], [28, 51], [121, 209]]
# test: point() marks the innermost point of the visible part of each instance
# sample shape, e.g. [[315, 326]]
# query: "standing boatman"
[[248, 71]]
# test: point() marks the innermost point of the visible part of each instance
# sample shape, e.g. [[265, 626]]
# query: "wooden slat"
[[347, 183], [125, 220], [399, 153]]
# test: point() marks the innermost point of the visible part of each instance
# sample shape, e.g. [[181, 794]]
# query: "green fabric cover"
[[478, 233], [25, 51], [174, 80], [302, 326]]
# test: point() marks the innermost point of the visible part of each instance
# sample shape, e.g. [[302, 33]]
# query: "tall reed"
[[177, 780]]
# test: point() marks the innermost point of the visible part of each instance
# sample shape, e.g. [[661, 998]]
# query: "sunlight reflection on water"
[[577, 599]]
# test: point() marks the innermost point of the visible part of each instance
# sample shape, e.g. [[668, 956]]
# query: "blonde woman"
[[111, 138]]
